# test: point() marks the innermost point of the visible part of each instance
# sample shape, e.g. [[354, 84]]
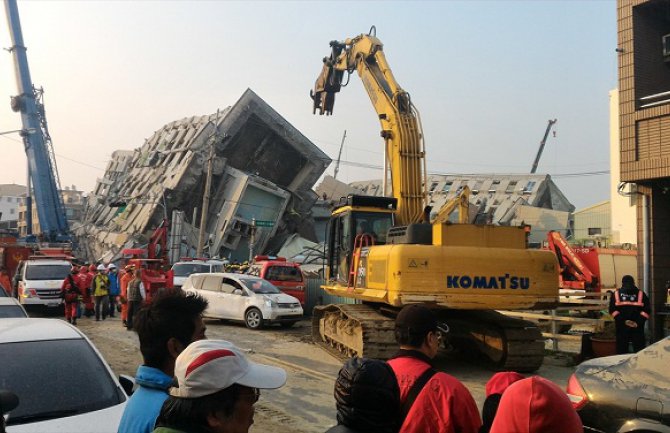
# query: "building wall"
[[73, 200], [623, 223], [593, 223], [644, 84]]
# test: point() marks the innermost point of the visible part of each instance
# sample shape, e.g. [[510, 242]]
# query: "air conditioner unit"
[[666, 47]]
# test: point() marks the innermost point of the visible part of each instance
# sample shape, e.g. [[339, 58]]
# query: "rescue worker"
[[123, 298], [495, 387], [100, 290], [431, 401], [86, 274], [135, 297], [5, 282], [630, 308], [536, 405], [71, 294], [114, 288]]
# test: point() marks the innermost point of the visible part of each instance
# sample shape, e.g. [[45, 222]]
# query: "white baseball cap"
[[208, 366]]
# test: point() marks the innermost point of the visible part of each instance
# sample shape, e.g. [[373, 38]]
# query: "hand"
[[631, 324]]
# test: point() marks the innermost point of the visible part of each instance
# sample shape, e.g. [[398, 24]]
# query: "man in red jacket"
[[443, 404]]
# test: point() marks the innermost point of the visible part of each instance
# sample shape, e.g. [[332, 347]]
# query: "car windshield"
[[259, 286], [283, 273], [47, 272], [55, 378], [186, 269], [9, 311]]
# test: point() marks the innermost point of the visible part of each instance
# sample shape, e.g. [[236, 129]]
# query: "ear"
[[215, 422], [174, 347]]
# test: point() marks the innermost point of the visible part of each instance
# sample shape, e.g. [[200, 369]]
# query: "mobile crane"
[[42, 168], [383, 251]]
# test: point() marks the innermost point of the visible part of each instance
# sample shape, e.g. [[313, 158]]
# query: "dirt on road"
[[305, 404]]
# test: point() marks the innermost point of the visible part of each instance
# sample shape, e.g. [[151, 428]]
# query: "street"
[[305, 404]]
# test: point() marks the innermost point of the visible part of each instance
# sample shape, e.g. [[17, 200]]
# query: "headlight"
[[270, 303]]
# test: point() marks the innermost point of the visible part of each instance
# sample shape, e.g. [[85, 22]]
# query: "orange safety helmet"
[[92, 268]]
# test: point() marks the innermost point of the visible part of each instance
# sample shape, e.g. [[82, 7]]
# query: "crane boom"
[[400, 123], [36, 139], [541, 149]]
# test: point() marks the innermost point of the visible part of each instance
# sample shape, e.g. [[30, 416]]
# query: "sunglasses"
[[253, 396]]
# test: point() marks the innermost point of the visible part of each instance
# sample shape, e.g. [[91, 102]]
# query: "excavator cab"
[[358, 222]]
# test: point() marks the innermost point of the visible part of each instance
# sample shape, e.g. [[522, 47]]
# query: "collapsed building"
[[510, 199], [262, 173]]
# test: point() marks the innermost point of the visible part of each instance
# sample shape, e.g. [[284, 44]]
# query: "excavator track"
[[506, 343], [348, 330]]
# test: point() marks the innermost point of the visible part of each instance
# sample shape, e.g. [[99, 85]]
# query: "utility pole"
[[208, 182], [542, 143], [252, 240], [339, 155]]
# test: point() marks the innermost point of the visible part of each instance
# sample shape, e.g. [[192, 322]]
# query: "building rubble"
[[263, 170]]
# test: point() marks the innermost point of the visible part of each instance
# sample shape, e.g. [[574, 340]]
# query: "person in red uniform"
[[123, 298], [85, 279], [442, 404], [498, 383], [536, 405], [630, 308], [70, 293]]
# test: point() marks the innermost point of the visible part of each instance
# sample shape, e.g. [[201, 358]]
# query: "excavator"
[[387, 252]]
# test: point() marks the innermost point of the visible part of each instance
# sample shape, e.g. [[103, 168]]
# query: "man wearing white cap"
[[217, 389]]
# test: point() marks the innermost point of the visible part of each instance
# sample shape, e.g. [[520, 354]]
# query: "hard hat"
[[111, 266], [91, 268], [101, 267]]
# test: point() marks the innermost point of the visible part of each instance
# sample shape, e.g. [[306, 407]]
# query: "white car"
[[181, 270], [11, 308], [252, 300], [62, 381], [40, 280]]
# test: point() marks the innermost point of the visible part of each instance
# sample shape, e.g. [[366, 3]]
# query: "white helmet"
[[101, 267], [111, 266]]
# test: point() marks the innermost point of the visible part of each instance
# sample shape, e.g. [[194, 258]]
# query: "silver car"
[[62, 381], [245, 298]]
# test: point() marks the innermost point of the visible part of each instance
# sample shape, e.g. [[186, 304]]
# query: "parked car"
[[62, 381], [10, 307], [624, 393], [284, 275], [39, 281], [182, 269], [246, 298]]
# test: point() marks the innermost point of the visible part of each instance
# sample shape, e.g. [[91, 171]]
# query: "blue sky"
[[486, 77]]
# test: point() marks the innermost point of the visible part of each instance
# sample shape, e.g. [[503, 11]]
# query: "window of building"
[[529, 187], [510, 186], [494, 186], [11, 211], [433, 186], [595, 231], [447, 186]]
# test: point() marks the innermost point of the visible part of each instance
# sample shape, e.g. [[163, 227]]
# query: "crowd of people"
[[102, 291], [189, 384]]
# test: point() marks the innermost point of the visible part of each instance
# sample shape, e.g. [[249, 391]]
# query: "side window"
[[228, 286], [255, 271], [212, 284]]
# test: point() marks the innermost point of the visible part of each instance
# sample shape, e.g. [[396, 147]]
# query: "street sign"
[[262, 223]]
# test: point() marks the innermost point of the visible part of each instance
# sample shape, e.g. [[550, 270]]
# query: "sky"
[[486, 77]]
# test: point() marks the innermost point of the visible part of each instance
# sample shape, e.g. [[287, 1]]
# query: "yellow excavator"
[[387, 252]]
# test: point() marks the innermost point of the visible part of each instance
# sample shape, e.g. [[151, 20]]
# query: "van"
[[40, 280], [286, 276], [182, 269]]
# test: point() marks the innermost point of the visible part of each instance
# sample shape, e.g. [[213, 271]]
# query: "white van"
[[40, 281], [185, 268]]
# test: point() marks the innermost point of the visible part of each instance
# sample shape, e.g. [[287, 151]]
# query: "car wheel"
[[253, 318], [286, 324]]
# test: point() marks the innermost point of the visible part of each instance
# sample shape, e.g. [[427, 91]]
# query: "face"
[[434, 340], [243, 414], [199, 331]]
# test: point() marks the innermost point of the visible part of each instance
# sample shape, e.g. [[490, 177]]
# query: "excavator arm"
[[460, 202], [400, 123]]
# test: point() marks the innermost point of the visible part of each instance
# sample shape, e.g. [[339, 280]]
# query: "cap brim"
[[263, 377]]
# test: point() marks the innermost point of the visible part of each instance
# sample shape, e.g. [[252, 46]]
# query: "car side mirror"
[[127, 383], [238, 292]]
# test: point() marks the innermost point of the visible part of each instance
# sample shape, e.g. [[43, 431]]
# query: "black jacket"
[[629, 303]]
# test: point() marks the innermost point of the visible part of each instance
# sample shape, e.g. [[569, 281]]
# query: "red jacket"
[[444, 405], [536, 405]]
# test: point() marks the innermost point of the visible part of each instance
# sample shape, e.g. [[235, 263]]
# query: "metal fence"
[[315, 295]]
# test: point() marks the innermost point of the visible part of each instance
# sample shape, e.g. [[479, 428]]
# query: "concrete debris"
[[263, 169]]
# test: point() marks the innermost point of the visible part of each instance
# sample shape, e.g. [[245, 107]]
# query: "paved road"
[[305, 404]]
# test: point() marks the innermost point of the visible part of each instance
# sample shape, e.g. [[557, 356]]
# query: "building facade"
[[592, 224], [644, 106], [73, 200], [11, 196]]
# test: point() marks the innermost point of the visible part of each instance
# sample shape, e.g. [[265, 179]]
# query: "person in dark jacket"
[[630, 308], [367, 398], [165, 328]]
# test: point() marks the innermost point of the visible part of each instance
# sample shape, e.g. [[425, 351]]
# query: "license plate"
[[53, 304]]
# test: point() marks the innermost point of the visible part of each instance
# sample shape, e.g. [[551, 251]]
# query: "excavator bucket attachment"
[[327, 83]]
